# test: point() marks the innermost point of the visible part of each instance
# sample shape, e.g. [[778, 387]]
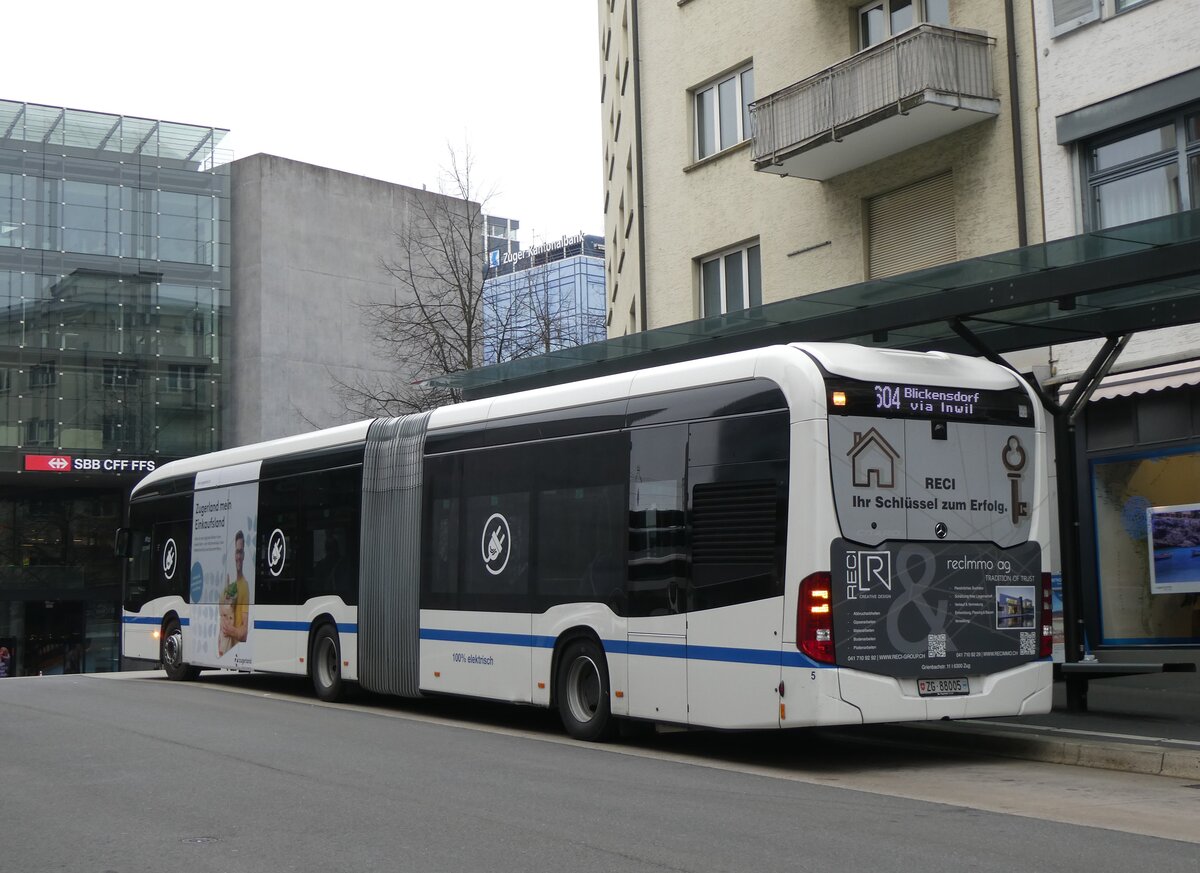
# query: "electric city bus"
[[810, 534]]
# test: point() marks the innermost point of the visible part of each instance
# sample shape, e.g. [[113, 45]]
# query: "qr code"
[[1028, 643], [937, 645]]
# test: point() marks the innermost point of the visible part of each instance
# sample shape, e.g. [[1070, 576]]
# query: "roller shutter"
[[912, 228]]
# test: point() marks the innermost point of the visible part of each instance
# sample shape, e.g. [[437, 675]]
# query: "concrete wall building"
[[309, 245], [761, 150]]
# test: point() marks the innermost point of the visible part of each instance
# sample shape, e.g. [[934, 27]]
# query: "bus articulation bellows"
[[811, 534]]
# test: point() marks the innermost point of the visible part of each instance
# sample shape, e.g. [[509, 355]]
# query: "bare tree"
[[434, 324]]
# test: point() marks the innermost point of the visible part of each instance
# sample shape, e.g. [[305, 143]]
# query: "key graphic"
[[1013, 456]]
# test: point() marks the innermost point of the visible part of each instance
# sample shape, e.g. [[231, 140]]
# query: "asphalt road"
[[112, 773]]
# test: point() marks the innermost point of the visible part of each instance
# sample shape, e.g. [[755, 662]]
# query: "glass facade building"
[[544, 299], [114, 284]]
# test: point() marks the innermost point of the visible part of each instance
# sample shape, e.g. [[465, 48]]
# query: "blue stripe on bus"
[[343, 627], [617, 647], [621, 647], [149, 619], [495, 639]]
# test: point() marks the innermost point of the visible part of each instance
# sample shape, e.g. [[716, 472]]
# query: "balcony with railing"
[[912, 89]]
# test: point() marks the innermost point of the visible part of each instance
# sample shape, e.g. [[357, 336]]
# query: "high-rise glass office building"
[[544, 298], [114, 285]]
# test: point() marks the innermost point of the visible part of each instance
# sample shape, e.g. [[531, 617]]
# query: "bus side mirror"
[[123, 542]]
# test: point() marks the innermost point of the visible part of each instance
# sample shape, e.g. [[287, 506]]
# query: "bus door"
[[737, 477], [657, 582]]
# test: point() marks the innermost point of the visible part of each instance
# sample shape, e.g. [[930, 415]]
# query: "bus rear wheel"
[[325, 662], [171, 654], [582, 692]]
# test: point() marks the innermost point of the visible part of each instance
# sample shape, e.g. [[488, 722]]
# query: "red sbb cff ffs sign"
[[48, 463], [67, 464]]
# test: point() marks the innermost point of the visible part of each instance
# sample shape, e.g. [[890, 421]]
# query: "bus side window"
[[277, 511], [442, 525], [328, 563], [137, 567], [737, 472], [658, 546]]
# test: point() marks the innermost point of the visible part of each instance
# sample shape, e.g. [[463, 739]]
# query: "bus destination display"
[[898, 400]]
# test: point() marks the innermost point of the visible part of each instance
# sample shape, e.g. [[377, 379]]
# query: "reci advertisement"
[[224, 526], [1173, 534], [916, 610]]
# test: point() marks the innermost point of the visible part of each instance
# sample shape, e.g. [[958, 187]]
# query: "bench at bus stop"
[[1077, 674]]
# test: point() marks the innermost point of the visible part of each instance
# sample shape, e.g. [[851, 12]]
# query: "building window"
[[1144, 172], [722, 112], [39, 432], [119, 375], [731, 281], [43, 376], [884, 19], [183, 377], [1067, 15], [113, 431]]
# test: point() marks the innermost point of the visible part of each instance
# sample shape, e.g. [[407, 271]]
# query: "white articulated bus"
[[798, 535]]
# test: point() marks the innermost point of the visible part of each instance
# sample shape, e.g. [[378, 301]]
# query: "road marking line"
[[1024, 728]]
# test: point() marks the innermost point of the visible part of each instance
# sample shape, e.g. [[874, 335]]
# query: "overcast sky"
[[379, 88]]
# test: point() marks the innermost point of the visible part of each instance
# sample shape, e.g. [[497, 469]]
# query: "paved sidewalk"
[[1139, 724]]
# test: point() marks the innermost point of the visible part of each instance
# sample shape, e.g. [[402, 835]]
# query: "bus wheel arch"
[[170, 650], [325, 659], [581, 689]]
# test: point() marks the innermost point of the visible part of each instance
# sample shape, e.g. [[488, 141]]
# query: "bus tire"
[[171, 654], [325, 663], [582, 692]]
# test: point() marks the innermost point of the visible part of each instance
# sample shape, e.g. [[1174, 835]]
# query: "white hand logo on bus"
[[276, 552], [495, 544], [170, 559]]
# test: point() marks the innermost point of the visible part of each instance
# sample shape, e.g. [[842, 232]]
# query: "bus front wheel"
[[581, 691], [171, 654], [325, 659]]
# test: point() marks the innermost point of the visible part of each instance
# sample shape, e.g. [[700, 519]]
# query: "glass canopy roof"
[[102, 132], [1116, 281]]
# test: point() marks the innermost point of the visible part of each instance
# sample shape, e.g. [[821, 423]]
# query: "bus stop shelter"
[[1104, 286]]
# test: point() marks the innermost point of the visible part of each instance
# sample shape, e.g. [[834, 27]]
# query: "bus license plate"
[[942, 687]]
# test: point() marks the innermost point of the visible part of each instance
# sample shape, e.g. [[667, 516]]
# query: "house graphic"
[[874, 460]]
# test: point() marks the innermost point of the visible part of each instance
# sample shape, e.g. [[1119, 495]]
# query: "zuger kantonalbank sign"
[[498, 259]]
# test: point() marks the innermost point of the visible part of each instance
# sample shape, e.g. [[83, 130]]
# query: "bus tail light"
[[1046, 644], [814, 618]]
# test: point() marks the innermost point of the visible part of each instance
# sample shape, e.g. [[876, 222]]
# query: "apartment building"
[[1119, 131], [761, 150]]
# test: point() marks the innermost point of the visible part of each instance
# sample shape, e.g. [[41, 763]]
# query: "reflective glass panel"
[[706, 135], [872, 26], [729, 112], [754, 275], [902, 15], [710, 281], [1140, 145], [1145, 195], [747, 99], [938, 12], [734, 283]]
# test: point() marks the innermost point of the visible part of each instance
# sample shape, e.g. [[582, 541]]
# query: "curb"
[[1148, 758]]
